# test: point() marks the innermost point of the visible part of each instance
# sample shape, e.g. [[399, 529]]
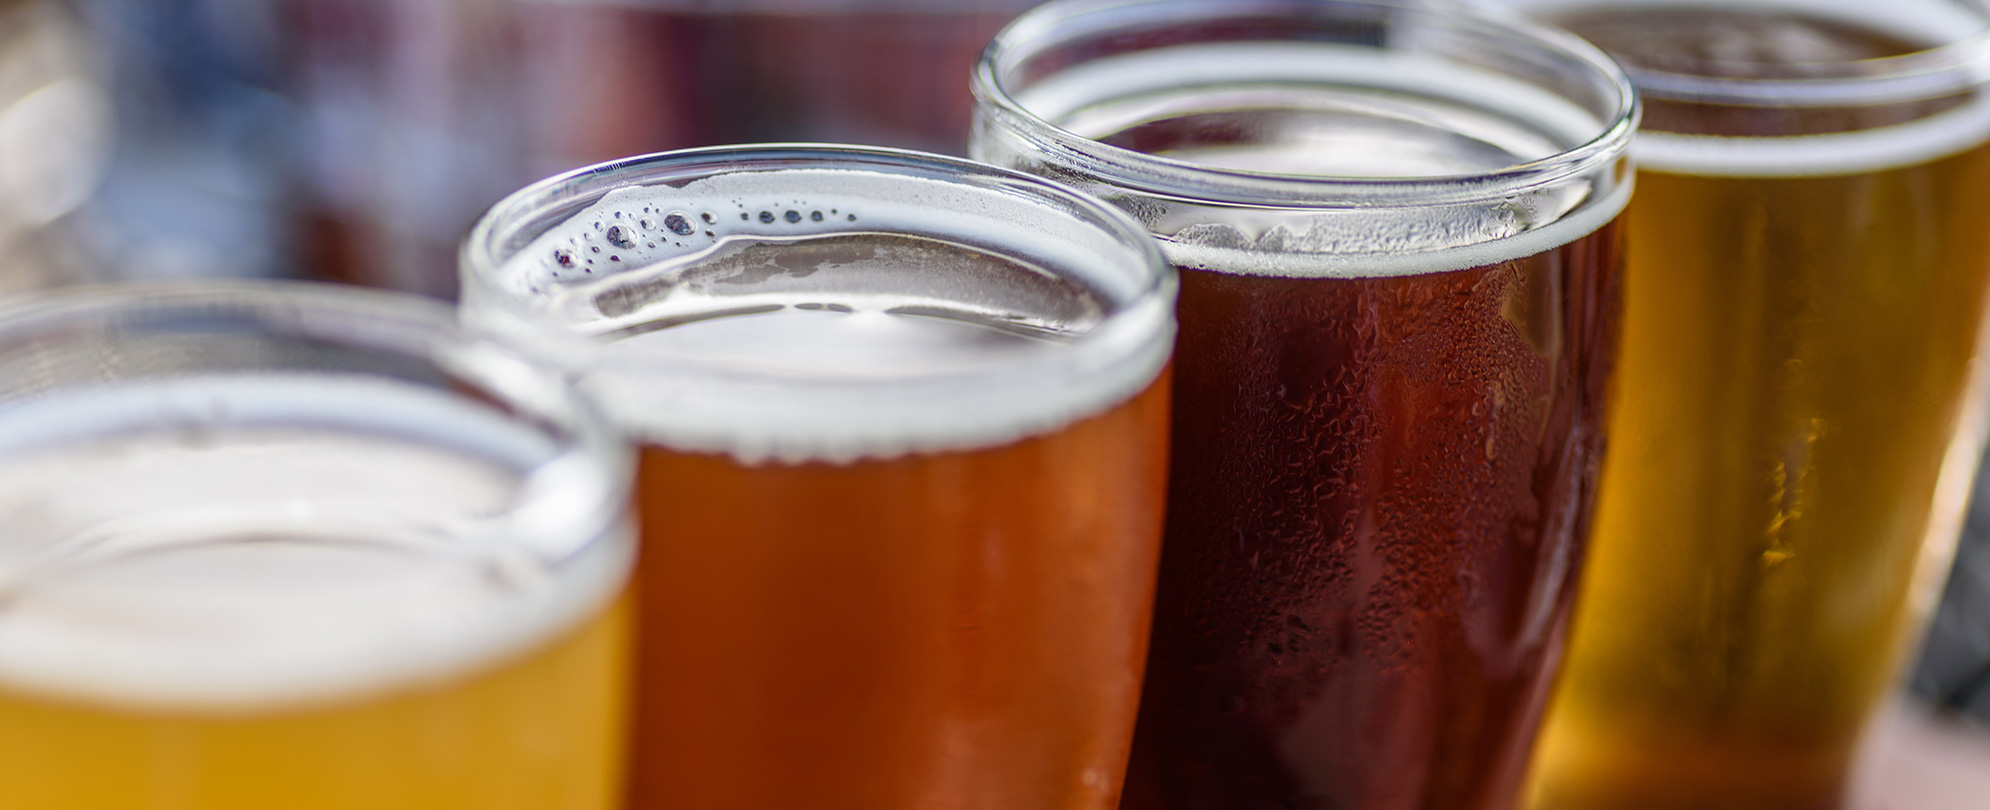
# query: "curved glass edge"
[[1958, 67], [579, 494], [1075, 159]]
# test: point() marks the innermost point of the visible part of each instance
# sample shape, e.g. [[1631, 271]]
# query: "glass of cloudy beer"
[[288, 546], [1398, 242], [1806, 279], [905, 428]]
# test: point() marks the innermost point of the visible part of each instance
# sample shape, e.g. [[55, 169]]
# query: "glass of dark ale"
[[1397, 233], [1800, 393], [905, 441], [281, 545]]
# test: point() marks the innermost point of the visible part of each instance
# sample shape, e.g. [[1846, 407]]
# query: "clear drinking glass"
[[293, 546], [1801, 403], [1398, 238], [905, 438]]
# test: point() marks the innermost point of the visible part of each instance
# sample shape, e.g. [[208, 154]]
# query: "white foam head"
[[833, 311], [241, 544]]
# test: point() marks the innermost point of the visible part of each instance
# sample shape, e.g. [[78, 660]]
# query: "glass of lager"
[[1399, 256], [1798, 421], [905, 428], [289, 546]]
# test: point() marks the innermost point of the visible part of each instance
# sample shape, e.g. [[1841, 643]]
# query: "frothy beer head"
[[828, 304], [1314, 141], [235, 499]]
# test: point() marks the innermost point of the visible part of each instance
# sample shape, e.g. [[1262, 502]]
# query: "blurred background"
[[357, 140]]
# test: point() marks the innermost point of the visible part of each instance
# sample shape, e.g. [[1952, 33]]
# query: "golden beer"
[[1793, 430], [271, 546]]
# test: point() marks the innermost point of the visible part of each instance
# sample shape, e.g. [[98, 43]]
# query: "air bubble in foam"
[[236, 545], [771, 408]]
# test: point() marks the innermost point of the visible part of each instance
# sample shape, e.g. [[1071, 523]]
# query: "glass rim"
[[1943, 70], [689, 403], [481, 251], [516, 379], [1164, 177]]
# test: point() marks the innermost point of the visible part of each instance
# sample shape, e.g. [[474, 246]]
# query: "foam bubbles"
[[940, 315], [229, 545]]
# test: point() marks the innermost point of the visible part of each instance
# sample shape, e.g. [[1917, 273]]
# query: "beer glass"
[[905, 440], [292, 546], [1399, 253], [1807, 272]]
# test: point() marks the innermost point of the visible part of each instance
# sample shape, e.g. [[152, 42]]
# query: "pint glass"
[[271, 546], [1807, 272], [1399, 258], [905, 427]]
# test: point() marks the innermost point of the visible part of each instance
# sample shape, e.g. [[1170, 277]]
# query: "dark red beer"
[[1380, 493], [1397, 231]]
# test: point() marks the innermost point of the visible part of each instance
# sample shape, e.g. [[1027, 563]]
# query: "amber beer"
[[280, 546], [906, 422], [1792, 447], [1398, 318]]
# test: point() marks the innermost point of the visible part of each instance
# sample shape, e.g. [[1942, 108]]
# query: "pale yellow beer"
[[1804, 295], [275, 546]]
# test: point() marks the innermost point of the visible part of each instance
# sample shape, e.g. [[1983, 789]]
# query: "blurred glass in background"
[[55, 134], [357, 139]]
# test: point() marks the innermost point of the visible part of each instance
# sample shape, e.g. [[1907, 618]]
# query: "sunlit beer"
[[294, 547], [905, 423], [1807, 270], [1399, 297]]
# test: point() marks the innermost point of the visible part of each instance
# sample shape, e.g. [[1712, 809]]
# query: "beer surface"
[[230, 615], [1384, 452], [818, 329], [1798, 362]]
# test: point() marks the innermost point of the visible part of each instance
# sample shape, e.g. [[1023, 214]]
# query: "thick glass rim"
[[493, 239], [1062, 21], [688, 402], [1944, 70], [591, 456]]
